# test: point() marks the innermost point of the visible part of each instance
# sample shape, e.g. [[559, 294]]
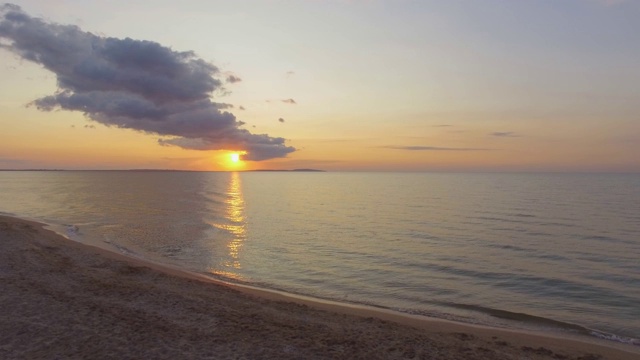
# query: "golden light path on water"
[[235, 225]]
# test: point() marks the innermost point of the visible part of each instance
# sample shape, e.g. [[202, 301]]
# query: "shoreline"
[[295, 325]]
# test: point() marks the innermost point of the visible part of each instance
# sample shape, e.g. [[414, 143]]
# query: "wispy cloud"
[[289, 101], [432, 148], [504, 134], [134, 84]]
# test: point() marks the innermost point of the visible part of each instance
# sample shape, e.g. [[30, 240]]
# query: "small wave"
[[171, 250], [520, 317], [505, 218], [441, 315], [557, 224], [123, 250], [616, 338], [600, 237], [508, 247], [523, 215], [606, 239], [543, 322], [73, 231]]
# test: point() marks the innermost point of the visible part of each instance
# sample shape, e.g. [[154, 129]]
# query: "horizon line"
[[352, 170]]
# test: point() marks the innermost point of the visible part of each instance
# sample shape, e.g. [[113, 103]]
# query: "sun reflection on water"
[[234, 215]]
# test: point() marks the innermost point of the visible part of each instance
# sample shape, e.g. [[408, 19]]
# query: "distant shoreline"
[[173, 170], [293, 170]]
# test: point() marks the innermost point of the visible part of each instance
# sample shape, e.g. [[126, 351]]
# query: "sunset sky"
[[475, 85]]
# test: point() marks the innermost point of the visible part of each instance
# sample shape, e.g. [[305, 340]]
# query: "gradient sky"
[[475, 85]]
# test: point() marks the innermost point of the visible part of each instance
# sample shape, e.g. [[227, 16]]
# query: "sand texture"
[[64, 300]]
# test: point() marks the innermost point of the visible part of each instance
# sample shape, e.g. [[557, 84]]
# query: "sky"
[[338, 85]]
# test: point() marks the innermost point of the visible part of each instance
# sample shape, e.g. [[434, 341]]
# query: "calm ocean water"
[[554, 252]]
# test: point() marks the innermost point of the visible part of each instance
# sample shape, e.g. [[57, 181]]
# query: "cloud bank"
[[134, 84]]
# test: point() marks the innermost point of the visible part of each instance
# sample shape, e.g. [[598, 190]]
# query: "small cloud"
[[73, 126], [432, 148], [443, 125], [232, 79], [281, 120], [289, 101], [89, 126], [290, 73], [241, 107], [504, 134]]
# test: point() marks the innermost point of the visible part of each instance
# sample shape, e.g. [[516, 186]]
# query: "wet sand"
[[63, 300]]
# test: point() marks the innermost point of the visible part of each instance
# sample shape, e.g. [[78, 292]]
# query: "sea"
[[550, 252]]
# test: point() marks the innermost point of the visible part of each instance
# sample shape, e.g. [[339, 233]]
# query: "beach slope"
[[62, 299]]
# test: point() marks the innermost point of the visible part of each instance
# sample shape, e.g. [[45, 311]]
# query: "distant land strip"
[[175, 170]]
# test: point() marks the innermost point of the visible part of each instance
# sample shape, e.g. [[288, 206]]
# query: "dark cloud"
[[133, 84], [258, 146], [281, 120], [432, 148], [289, 101], [504, 134], [241, 107], [232, 79]]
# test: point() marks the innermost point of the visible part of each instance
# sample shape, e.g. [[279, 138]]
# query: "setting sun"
[[233, 160]]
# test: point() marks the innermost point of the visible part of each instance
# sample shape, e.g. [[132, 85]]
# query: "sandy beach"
[[63, 300]]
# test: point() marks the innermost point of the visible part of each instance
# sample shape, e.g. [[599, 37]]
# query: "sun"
[[234, 161]]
